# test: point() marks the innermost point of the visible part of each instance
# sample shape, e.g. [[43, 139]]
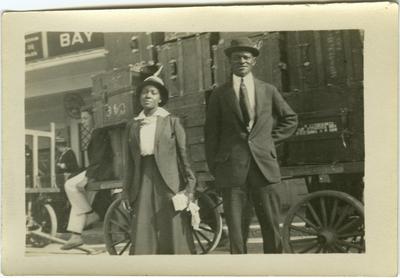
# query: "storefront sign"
[[60, 43], [33, 46]]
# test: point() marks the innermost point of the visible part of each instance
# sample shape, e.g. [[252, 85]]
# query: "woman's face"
[[150, 97]]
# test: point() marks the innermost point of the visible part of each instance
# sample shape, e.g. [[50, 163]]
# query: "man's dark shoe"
[[74, 242]]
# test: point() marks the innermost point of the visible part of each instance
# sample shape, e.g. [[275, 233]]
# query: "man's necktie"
[[244, 102]]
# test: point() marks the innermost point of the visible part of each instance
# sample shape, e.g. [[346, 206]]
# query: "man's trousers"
[[236, 201], [80, 200]]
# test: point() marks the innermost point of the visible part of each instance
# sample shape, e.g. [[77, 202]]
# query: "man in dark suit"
[[100, 168], [245, 118], [66, 161]]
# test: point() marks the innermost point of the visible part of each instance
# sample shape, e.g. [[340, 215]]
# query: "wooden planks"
[[319, 71], [186, 65], [318, 59], [112, 81], [325, 73], [132, 47], [172, 36], [191, 110], [114, 110], [324, 136], [307, 170], [116, 135]]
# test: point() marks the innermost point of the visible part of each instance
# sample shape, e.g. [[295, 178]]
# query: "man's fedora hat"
[[240, 44]]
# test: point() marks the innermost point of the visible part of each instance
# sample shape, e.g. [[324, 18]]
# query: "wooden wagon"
[[320, 74]]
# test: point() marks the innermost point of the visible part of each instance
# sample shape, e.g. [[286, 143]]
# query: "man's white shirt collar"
[[159, 112], [246, 79]]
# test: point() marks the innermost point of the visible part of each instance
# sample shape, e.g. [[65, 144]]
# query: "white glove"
[[180, 201], [194, 211]]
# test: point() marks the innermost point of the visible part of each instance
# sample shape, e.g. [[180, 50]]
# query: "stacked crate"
[[320, 74], [113, 91], [187, 75], [131, 48], [325, 81], [112, 94], [172, 36]]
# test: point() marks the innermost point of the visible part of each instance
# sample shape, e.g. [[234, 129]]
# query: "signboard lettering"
[[60, 43], [115, 110], [33, 47], [67, 39], [316, 128]]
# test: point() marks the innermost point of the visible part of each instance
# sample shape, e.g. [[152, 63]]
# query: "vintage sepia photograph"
[[194, 143], [187, 141]]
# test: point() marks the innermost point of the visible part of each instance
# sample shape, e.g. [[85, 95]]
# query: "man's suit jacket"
[[229, 146], [100, 156], [169, 146]]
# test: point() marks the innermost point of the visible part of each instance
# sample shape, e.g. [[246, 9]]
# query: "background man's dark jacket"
[[71, 164], [100, 156]]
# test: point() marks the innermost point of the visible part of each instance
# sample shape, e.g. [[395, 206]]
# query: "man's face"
[[242, 62], [86, 119]]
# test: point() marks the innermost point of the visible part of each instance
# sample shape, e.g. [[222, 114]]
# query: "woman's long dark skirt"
[[158, 229]]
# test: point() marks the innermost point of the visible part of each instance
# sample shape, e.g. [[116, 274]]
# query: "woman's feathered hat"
[[157, 82]]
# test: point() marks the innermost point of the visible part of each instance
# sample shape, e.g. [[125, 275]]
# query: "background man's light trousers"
[[80, 200]]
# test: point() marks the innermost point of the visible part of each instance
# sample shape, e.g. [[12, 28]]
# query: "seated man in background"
[[100, 168], [66, 163]]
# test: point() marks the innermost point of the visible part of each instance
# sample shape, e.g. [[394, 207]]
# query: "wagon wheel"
[[117, 226], [43, 218], [210, 228], [330, 222]]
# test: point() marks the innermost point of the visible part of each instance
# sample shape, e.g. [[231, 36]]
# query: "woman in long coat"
[[157, 168]]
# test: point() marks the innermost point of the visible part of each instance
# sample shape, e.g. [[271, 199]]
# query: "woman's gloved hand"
[[126, 204]]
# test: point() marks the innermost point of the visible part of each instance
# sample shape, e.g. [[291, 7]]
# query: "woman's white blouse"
[[148, 130]]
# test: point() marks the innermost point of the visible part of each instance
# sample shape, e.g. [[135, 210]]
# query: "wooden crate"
[[131, 48], [325, 74], [171, 36], [117, 139], [231, 35], [325, 59], [120, 79], [267, 67], [190, 108], [113, 95], [187, 65], [326, 136], [115, 109]]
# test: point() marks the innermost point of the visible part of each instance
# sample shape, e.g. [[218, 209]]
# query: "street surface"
[[94, 240]]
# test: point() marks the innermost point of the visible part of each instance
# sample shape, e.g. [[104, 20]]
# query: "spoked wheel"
[[41, 217], [117, 226], [325, 222], [210, 228]]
